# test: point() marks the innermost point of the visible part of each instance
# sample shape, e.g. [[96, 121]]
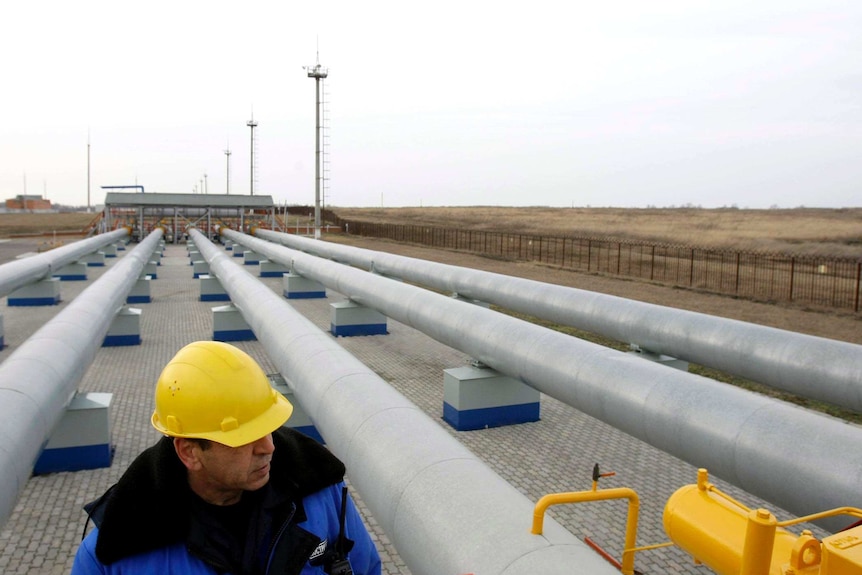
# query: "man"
[[228, 490]]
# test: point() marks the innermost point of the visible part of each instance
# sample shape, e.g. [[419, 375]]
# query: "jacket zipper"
[[278, 535]]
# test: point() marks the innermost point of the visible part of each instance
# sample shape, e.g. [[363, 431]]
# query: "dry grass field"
[[11, 224], [808, 231]]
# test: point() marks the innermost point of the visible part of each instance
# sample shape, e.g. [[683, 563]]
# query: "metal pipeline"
[[444, 510], [39, 378], [815, 367], [797, 459], [18, 273]]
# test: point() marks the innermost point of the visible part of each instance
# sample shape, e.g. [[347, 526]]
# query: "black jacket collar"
[[149, 507]]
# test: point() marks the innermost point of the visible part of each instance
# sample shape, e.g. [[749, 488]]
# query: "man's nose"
[[264, 445]]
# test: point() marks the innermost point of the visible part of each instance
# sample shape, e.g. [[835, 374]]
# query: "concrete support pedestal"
[[297, 287], [348, 318], [110, 250], [125, 329], [212, 290], [299, 419], [667, 360], [82, 438], [76, 271], [95, 259], [200, 268], [150, 270], [229, 325], [42, 292], [250, 258], [480, 397], [140, 292], [270, 269]]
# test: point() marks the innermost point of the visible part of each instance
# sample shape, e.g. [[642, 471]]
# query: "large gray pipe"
[[819, 368], [445, 510], [797, 459], [25, 271], [38, 379]]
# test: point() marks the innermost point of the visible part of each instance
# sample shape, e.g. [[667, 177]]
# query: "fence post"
[[652, 264], [691, 269], [792, 272], [736, 282], [858, 277]]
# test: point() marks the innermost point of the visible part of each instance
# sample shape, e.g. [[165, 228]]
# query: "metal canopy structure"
[[177, 212]]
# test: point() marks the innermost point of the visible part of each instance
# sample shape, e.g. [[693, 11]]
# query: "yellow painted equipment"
[[595, 494], [732, 539]]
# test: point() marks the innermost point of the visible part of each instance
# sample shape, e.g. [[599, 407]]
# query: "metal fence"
[[828, 282]]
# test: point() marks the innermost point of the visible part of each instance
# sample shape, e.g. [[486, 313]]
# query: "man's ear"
[[188, 452]]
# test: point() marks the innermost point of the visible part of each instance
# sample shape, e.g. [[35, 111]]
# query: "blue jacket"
[[148, 522]]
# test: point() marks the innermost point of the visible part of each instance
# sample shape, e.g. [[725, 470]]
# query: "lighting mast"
[[227, 153], [317, 72], [252, 124]]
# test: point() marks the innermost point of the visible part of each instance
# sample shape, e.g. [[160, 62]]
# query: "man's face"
[[219, 474]]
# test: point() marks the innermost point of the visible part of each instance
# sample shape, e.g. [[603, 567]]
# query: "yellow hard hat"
[[213, 390]]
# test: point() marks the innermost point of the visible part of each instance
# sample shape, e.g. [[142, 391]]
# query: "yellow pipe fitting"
[[596, 495]]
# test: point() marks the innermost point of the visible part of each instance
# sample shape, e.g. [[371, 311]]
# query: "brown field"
[[802, 231], [11, 224]]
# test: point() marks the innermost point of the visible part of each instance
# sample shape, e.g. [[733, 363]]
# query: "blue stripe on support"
[[121, 340], [74, 458], [252, 262], [361, 329], [234, 335], [215, 297], [139, 299], [470, 419], [32, 301], [271, 274], [238, 254], [71, 277], [95, 264], [304, 294], [110, 255]]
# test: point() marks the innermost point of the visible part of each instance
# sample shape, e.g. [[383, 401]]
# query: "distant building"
[[28, 203]]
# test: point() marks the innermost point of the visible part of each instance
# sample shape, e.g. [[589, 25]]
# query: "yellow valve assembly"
[[732, 539]]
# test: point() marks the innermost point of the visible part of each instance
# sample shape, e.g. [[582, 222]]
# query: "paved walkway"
[[552, 455]]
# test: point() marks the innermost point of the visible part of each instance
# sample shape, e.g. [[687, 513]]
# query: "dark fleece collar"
[[150, 506]]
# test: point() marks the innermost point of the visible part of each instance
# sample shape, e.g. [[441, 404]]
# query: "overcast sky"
[[753, 103]]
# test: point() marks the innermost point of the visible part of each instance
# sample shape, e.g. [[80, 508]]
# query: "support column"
[[212, 290], [75, 271], [299, 419], [297, 287], [95, 259], [348, 318], [667, 360], [42, 292], [478, 397], [229, 325], [125, 329], [140, 292], [82, 438]]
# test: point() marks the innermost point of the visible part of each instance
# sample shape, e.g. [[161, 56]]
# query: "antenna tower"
[[319, 73], [253, 174]]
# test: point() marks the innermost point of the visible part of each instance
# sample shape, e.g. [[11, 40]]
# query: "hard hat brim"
[[247, 432]]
